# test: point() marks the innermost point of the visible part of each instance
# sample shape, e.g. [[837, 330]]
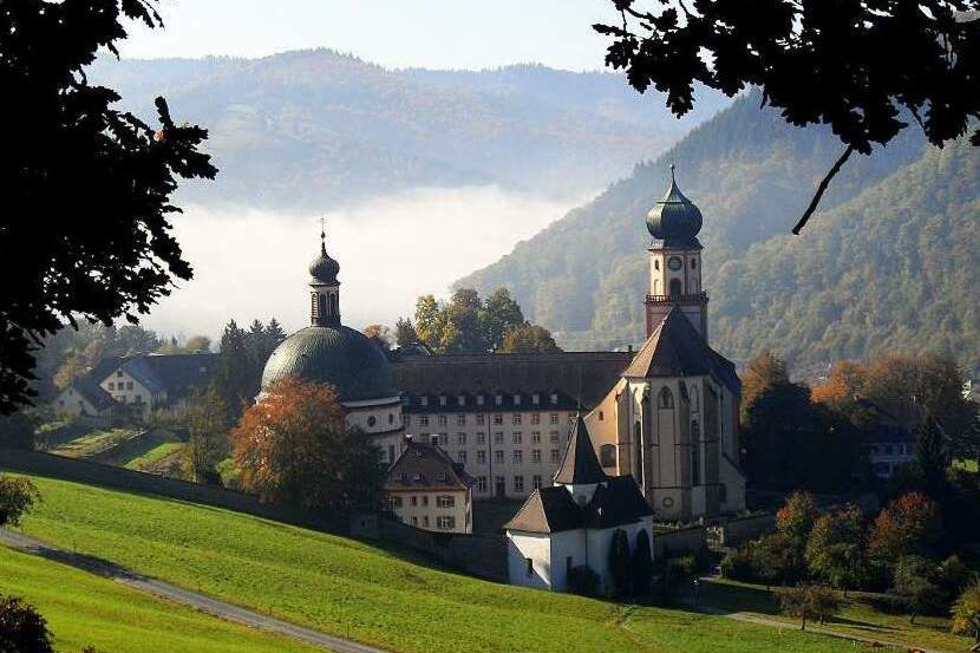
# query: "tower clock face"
[[674, 263]]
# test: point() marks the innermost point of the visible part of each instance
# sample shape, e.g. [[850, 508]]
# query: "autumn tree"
[[380, 335], [529, 339], [18, 495], [846, 382], [809, 601], [764, 372], [795, 520], [198, 344], [835, 548], [22, 628], [867, 69], [293, 447], [85, 233], [909, 525]]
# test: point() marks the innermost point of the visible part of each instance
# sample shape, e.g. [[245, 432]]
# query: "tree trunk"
[[803, 622], [912, 618]]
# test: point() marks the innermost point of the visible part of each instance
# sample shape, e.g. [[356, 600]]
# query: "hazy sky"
[[394, 33]]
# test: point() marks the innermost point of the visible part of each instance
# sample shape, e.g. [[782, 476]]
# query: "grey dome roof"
[[338, 355], [675, 219], [324, 269]]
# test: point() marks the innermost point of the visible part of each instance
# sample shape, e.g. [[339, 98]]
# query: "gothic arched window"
[[695, 453], [607, 455], [323, 305], [665, 399], [675, 287]]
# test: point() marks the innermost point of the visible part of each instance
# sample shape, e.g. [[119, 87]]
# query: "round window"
[[372, 420], [668, 502]]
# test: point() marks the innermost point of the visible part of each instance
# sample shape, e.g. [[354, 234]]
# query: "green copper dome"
[[675, 219], [338, 355]]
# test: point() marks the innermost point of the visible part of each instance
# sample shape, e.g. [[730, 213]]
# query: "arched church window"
[[638, 448], [665, 399], [695, 453], [372, 420], [694, 263], [675, 287], [656, 264], [333, 306], [315, 304], [322, 301], [683, 389], [607, 455]]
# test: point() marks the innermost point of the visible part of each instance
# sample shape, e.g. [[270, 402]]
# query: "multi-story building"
[[504, 417], [427, 489]]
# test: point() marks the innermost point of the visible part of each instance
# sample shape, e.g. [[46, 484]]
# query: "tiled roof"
[[93, 393], [177, 374], [570, 375], [425, 467], [552, 509], [579, 464], [675, 348]]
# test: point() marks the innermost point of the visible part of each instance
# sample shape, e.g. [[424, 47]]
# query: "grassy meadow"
[[82, 610], [347, 588]]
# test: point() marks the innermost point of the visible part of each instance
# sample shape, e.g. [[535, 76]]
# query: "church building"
[[671, 420]]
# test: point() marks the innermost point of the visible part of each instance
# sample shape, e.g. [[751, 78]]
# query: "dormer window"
[[442, 401], [479, 400], [417, 478], [517, 400], [554, 398], [499, 400], [442, 478], [461, 400], [424, 401], [535, 399]]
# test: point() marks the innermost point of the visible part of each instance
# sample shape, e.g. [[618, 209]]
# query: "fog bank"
[[253, 264]]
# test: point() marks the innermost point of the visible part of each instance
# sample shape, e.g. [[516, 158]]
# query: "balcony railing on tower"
[[694, 297]]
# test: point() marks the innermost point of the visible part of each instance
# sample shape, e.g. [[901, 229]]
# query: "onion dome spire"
[[323, 269], [675, 219]]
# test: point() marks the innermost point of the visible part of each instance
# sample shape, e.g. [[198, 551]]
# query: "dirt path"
[[201, 602]]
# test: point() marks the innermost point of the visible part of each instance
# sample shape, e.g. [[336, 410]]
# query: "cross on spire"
[[672, 168], [323, 235]]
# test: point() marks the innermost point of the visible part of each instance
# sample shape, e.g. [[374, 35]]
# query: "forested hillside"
[[848, 287], [314, 129]]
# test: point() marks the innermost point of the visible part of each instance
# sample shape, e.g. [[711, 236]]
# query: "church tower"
[[324, 287], [675, 261]]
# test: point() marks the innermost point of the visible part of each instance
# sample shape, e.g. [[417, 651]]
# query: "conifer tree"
[[234, 376], [619, 563], [641, 565]]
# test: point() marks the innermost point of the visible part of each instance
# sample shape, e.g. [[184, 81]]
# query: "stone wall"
[[679, 541], [738, 531]]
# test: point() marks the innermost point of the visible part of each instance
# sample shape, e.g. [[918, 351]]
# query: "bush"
[[739, 564], [17, 497], [583, 580], [966, 612], [22, 628]]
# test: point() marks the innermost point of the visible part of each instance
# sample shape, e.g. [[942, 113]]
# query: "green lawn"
[[82, 609], [153, 456], [345, 587], [858, 616]]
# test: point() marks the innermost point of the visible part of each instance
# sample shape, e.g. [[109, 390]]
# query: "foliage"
[[931, 457], [641, 564], [619, 563], [909, 525], [884, 270], [208, 420], [916, 583], [809, 601], [790, 441], [835, 548], [467, 324], [529, 339], [16, 431], [381, 336], [235, 376], [405, 334], [847, 381], [18, 495], [353, 589], [583, 580], [853, 67], [966, 612], [22, 628], [293, 447], [82, 158]]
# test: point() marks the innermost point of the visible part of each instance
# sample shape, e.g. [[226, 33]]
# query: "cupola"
[[675, 220]]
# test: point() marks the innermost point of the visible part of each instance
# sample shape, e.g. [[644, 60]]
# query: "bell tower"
[[675, 261], [324, 287]]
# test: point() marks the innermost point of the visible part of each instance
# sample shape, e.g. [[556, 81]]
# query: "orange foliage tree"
[[293, 447], [847, 379], [910, 525]]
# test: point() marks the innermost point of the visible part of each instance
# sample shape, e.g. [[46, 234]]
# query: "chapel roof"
[[616, 502], [579, 464]]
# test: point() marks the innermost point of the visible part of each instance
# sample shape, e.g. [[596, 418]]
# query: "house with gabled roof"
[[572, 523], [426, 489]]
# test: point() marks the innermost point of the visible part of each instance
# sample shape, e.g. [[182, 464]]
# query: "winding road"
[[201, 602]]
